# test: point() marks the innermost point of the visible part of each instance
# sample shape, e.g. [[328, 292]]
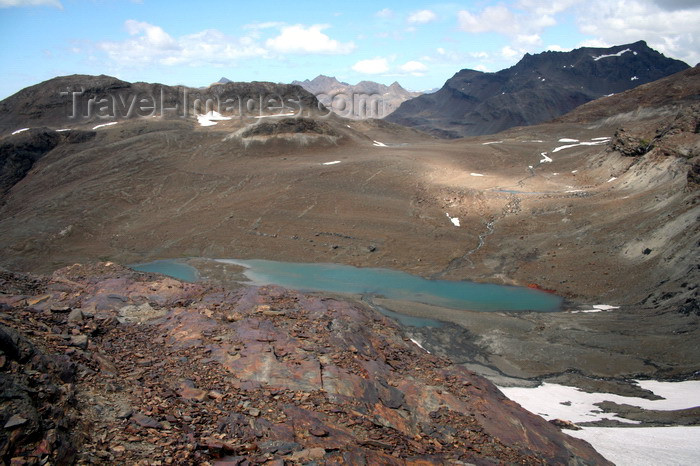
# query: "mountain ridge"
[[346, 99], [538, 88], [105, 98]]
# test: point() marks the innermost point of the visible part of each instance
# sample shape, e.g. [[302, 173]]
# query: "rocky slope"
[[566, 206], [346, 100], [82, 100], [102, 364], [538, 88]]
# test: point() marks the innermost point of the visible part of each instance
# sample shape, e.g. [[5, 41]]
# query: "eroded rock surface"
[[255, 376]]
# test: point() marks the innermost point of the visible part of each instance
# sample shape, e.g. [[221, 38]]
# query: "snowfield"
[[621, 445]]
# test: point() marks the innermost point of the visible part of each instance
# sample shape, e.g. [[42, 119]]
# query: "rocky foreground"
[[100, 364]]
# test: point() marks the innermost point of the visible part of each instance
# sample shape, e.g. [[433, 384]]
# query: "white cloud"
[[308, 40], [153, 35], [672, 5], [594, 43], [21, 3], [414, 67], [546, 7], [493, 18], [529, 39], [478, 54], [509, 53], [672, 29], [669, 26], [384, 13], [151, 45], [481, 68], [372, 66], [557, 48], [422, 17]]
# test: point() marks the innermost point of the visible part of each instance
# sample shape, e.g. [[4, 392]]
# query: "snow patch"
[[106, 124], [644, 446], [419, 346], [546, 400], [491, 142], [454, 220], [204, 121], [597, 308], [277, 115], [210, 118], [476, 174], [604, 138], [331, 163], [592, 143], [634, 78], [62, 130], [568, 140], [612, 179], [379, 144], [622, 445], [19, 131], [216, 116], [618, 54], [545, 159]]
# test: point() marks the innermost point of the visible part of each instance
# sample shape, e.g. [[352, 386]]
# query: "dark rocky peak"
[[538, 88], [325, 86], [321, 84], [322, 79]]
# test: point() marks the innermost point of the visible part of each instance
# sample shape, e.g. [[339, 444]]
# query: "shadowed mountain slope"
[[538, 88]]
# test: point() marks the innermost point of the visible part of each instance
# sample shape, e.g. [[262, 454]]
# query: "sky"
[[420, 44]]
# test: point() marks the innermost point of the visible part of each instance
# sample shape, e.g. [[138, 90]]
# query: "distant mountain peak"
[[538, 88], [384, 99]]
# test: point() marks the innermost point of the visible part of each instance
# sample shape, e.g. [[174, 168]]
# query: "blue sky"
[[418, 43]]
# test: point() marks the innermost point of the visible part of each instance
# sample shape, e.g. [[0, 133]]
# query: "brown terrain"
[[122, 367], [610, 222]]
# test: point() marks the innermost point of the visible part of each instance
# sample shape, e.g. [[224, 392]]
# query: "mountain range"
[[537, 89], [366, 99], [100, 362]]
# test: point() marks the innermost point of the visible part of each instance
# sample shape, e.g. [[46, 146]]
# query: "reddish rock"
[[292, 378], [145, 421]]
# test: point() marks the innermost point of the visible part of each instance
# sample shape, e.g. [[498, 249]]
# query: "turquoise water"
[[171, 268], [392, 284]]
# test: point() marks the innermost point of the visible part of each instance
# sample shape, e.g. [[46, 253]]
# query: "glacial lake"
[[375, 282], [169, 267]]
